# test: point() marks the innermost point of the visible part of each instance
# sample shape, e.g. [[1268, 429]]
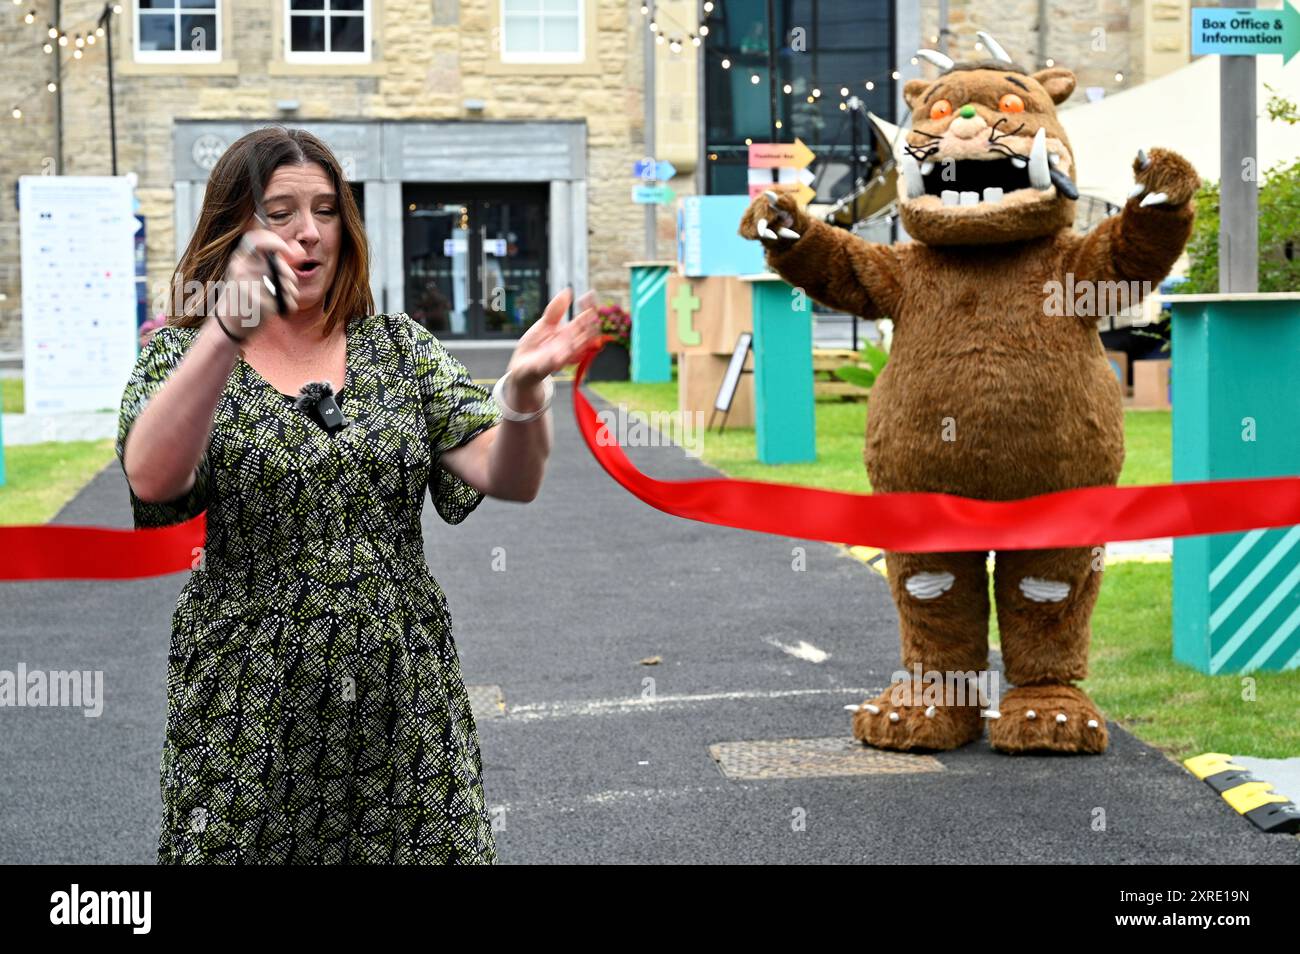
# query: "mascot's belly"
[[1019, 409]]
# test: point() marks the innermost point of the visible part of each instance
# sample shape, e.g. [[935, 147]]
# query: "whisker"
[[994, 134], [921, 152]]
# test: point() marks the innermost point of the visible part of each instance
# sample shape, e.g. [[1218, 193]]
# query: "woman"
[[316, 711]]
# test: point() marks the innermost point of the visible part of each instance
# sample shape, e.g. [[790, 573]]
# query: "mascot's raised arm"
[[992, 390]]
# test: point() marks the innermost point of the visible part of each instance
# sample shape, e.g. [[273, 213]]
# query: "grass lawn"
[[1133, 676], [11, 395], [41, 478]]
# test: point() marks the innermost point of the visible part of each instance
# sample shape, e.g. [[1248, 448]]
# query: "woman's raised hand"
[[552, 343], [248, 298]]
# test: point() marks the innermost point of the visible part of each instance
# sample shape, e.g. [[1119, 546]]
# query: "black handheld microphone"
[[259, 212], [316, 398]]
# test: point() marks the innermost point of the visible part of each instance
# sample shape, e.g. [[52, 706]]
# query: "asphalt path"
[[594, 754]]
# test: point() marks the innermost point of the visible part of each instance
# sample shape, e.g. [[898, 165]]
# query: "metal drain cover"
[[814, 758], [486, 702]]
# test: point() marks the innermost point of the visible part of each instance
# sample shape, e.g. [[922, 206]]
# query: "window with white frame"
[[177, 31], [327, 31], [542, 31]]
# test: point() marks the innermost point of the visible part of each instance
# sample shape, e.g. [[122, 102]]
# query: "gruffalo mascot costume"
[[989, 391]]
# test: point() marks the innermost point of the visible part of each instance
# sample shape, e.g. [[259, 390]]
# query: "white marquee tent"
[[1179, 111]]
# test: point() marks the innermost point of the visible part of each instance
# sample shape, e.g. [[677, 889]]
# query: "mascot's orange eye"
[[1011, 103], [940, 109]]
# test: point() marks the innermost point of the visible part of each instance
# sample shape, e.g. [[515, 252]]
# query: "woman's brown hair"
[[227, 206]]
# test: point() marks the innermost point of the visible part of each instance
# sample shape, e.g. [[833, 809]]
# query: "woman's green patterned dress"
[[316, 710]]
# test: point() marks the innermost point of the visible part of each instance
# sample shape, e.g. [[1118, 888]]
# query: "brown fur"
[[1029, 398]]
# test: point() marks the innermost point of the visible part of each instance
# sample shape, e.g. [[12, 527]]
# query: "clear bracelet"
[[509, 413]]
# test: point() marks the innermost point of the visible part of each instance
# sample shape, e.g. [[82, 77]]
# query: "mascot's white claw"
[[874, 710], [893, 717], [990, 714], [851, 707], [1092, 723], [929, 712], [1155, 198], [1040, 177], [1061, 718], [771, 196], [1031, 714], [764, 231], [1143, 159], [787, 233], [1136, 191]]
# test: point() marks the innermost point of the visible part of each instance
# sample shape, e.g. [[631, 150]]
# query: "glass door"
[[476, 258]]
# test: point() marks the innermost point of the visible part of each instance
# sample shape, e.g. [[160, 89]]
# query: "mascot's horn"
[[938, 59], [994, 46]]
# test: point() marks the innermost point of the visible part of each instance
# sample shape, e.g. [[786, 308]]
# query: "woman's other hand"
[[551, 343]]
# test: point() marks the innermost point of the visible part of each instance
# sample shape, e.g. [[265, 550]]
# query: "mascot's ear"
[[912, 91], [1058, 81]]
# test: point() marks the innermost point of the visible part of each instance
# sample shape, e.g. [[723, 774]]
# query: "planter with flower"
[[614, 361]]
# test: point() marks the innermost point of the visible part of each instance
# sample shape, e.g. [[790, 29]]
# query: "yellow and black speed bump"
[[1265, 808]]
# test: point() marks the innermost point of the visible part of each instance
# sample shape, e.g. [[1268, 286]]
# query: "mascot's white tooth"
[[1039, 176], [1018, 162], [912, 176], [949, 197], [970, 198], [927, 167], [993, 194]]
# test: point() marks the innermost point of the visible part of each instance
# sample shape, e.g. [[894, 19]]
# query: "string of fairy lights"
[[53, 39], [676, 35]]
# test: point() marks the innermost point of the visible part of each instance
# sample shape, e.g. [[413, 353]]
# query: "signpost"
[[651, 172], [1238, 34]]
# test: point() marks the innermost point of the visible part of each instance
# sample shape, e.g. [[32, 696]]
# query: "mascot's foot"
[[1047, 719], [880, 723]]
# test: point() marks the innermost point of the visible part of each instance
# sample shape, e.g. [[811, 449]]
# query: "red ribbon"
[[912, 522], [929, 522], [55, 552]]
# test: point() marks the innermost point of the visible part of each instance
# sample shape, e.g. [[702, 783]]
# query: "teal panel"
[[650, 358], [1237, 415], [783, 375]]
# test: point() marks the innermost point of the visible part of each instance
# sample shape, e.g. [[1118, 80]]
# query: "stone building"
[[490, 142]]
